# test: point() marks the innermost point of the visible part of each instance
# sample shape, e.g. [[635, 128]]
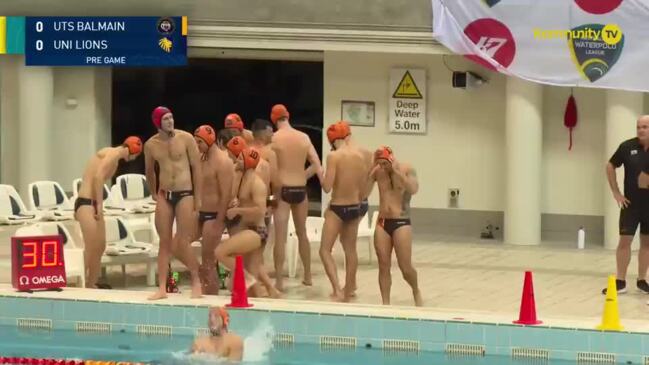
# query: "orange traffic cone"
[[239, 293], [527, 313]]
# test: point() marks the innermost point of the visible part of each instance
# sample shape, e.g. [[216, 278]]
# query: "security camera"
[[467, 80]]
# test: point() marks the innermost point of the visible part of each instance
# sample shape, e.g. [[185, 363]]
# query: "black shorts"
[[84, 201], [390, 225], [207, 216], [365, 206], [346, 213], [631, 217], [293, 194], [173, 197]]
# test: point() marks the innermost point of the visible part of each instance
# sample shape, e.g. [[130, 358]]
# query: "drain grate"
[[337, 342], [93, 327], [201, 332], [527, 353], [147, 329], [595, 357], [464, 349], [401, 345], [285, 338], [33, 323]]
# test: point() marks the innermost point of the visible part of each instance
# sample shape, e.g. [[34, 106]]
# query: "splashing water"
[[256, 347], [258, 344]]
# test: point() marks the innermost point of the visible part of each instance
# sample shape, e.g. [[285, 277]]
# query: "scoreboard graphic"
[[96, 41]]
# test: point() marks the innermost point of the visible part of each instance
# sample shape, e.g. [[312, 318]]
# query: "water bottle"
[[581, 238], [222, 275]]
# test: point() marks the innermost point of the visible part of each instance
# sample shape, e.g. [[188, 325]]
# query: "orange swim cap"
[[223, 314], [279, 111], [206, 133], [236, 145], [233, 121], [134, 145], [384, 153], [251, 158], [338, 130]]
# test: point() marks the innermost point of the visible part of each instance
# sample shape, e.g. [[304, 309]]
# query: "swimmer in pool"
[[293, 149], [397, 183], [89, 206], [220, 341], [177, 192], [345, 178]]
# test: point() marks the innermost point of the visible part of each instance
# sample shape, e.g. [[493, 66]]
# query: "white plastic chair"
[[72, 252], [49, 198], [366, 230], [12, 208], [123, 249], [314, 235], [132, 192]]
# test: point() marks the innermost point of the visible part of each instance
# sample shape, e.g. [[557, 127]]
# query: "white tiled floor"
[[477, 281]]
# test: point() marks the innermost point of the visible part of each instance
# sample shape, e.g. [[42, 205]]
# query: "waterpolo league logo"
[[594, 57], [493, 38], [165, 26], [598, 6]]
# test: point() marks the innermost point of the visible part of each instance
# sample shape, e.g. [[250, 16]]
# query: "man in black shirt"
[[634, 204]]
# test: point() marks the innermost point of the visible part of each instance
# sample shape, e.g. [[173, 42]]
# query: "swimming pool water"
[[15, 342]]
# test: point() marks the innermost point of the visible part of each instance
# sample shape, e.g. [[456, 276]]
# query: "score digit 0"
[[54, 254], [39, 27]]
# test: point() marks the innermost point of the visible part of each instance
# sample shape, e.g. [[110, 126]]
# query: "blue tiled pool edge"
[[428, 335]]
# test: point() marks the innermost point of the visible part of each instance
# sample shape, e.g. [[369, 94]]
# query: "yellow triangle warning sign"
[[407, 89]]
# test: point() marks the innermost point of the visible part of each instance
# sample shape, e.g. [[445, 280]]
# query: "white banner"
[[407, 101], [589, 43]]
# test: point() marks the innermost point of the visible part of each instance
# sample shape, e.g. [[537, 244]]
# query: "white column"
[[622, 111], [524, 143], [36, 89]]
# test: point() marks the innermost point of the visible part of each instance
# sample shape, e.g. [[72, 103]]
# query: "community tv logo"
[[594, 56]]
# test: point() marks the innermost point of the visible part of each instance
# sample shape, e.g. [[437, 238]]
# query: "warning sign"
[[407, 88], [407, 101]]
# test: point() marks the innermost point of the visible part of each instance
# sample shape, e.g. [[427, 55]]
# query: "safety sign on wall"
[[407, 101]]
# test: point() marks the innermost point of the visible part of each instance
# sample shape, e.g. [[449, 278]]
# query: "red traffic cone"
[[239, 292], [528, 307]]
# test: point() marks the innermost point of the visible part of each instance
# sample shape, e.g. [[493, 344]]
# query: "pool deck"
[[476, 282]]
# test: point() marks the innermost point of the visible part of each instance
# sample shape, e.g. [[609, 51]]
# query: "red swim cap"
[[134, 145], [157, 115]]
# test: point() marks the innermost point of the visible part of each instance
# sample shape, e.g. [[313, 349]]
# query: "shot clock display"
[[37, 263]]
